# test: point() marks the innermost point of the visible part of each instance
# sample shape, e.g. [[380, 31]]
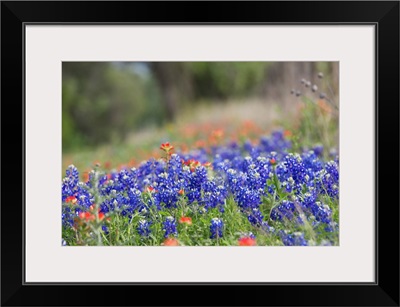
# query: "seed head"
[[314, 88]]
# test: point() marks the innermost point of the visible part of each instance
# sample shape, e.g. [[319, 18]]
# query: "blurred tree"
[[181, 82], [172, 78], [223, 80], [102, 102], [105, 101]]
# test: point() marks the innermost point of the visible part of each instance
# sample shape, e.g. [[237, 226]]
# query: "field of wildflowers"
[[218, 182], [263, 192]]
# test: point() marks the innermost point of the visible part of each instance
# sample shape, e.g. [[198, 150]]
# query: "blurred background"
[[118, 113]]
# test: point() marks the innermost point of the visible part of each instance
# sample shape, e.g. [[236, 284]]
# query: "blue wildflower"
[[216, 228], [169, 227], [295, 239], [144, 228]]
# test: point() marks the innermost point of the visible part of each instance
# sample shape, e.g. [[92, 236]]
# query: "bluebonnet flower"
[[330, 179], [309, 198], [291, 172], [321, 212], [148, 171], [276, 142], [285, 210], [256, 218], [70, 182], [167, 193], [72, 174], [254, 180], [169, 227], [295, 239], [332, 227], [67, 216], [264, 169], [105, 229], [216, 228], [318, 150], [247, 198], [214, 195], [144, 228], [75, 196], [313, 165], [199, 177], [234, 180]]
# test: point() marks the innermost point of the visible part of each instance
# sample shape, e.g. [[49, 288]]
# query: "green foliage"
[[226, 79], [102, 103]]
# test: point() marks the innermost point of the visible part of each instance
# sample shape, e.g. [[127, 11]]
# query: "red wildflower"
[[167, 147], [150, 189], [181, 192], [86, 176], [272, 161], [171, 242], [247, 241], [185, 220], [192, 164], [287, 133], [71, 199], [200, 144], [87, 216], [217, 133], [90, 216], [132, 163], [207, 164]]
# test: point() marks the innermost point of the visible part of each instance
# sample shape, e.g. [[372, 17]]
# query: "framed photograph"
[[244, 153]]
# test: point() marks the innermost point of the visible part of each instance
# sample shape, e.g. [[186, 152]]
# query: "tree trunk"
[[166, 75]]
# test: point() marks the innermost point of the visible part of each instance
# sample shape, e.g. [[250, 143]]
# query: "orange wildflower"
[[150, 189], [185, 220], [217, 133], [200, 144], [247, 241], [167, 147], [207, 164], [86, 176], [71, 199], [170, 242], [287, 133]]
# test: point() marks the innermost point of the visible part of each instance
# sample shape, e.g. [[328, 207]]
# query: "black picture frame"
[[384, 15]]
